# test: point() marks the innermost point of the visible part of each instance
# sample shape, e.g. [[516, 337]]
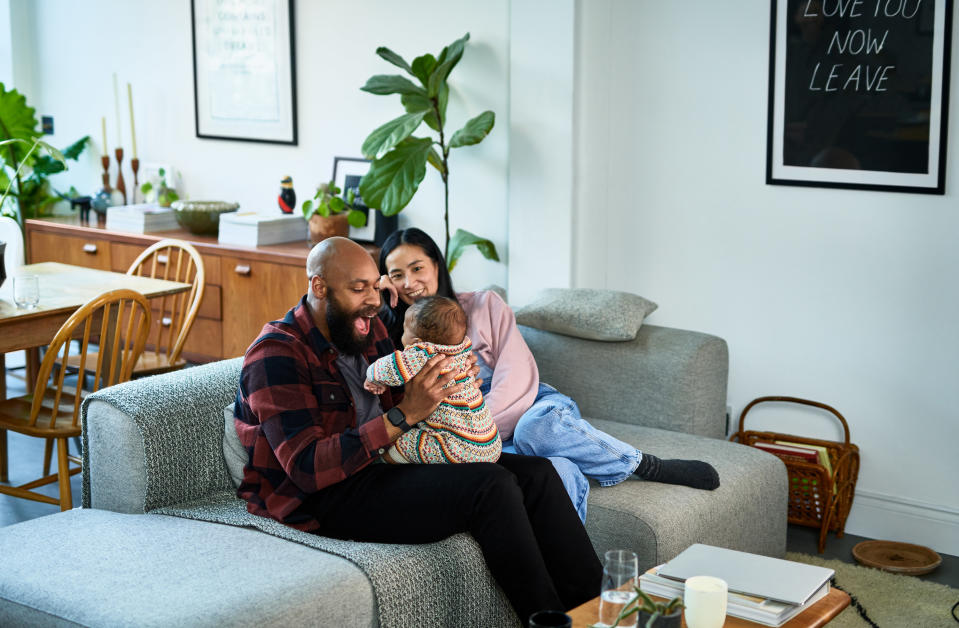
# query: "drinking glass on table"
[[26, 291], [705, 600], [620, 570]]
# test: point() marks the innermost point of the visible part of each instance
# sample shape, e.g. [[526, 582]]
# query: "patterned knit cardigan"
[[461, 429]]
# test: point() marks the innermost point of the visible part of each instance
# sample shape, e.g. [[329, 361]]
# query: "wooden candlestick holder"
[[105, 177], [118, 152], [135, 166]]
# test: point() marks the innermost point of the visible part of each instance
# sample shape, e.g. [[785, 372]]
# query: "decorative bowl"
[[201, 217]]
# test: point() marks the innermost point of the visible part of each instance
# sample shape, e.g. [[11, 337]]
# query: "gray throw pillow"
[[606, 315], [233, 450]]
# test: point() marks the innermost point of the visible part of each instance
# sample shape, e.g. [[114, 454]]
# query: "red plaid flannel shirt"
[[296, 418]]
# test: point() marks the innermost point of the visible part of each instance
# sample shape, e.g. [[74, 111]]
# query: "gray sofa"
[[162, 540]]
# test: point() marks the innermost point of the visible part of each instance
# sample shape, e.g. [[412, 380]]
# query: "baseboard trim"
[[881, 516]]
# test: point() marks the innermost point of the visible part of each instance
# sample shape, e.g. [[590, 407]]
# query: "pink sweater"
[[497, 340]]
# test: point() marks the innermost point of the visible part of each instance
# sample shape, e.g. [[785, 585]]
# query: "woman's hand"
[[385, 284], [425, 391]]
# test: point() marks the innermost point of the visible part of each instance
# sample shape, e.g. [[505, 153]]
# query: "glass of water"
[[26, 291], [620, 570]]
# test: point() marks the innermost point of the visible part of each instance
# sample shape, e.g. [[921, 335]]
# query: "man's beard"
[[342, 332]]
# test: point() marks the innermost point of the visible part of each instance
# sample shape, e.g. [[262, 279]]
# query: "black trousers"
[[516, 509]]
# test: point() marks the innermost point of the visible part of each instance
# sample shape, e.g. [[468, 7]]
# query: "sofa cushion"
[[153, 570], [234, 453], [605, 315]]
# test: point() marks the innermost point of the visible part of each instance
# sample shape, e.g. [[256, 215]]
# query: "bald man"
[[315, 438]]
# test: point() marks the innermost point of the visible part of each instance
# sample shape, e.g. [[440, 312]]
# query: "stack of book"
[[768, 591], [142, 218], [252, 229]]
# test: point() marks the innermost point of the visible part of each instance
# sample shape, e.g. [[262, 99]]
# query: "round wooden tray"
[[904, 558]]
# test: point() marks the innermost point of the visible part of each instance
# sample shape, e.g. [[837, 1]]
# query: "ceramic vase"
[[323, 227]]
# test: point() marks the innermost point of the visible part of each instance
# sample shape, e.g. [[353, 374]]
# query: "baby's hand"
[[373, 387]]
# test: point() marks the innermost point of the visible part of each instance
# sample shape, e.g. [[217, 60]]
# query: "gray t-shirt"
[[366, 403]]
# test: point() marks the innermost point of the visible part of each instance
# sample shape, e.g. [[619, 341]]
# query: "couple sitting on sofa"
[[313, 431]]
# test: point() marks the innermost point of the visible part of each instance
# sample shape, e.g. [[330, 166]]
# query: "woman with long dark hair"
[[533, 418]]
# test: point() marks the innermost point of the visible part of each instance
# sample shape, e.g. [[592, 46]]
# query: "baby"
[[461, 429]]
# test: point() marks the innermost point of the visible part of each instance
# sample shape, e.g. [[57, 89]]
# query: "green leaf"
[[435, 160], [337, 204], [307, 209], [394, 178], [384, 84], [462, 239], [356, 218], [423, 67], [474, 131], [414, 103], [147, 187], [17, 121], [45, 165], [394, 58], [441, 100], [450, 56], [390, 134], [73, 150], [54, 152]]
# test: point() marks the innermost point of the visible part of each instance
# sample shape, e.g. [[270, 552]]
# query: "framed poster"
[[244, 71], [347, 172], [859, 94]]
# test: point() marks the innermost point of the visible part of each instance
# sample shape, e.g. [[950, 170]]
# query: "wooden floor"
[[26, 458]]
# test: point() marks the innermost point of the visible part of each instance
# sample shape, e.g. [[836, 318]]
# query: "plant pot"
[[674, 620], [323, 227]]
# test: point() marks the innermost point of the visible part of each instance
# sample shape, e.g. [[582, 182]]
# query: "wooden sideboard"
[[245, 287]]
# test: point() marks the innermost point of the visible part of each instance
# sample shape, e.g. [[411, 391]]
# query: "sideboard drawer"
[[67, 249]]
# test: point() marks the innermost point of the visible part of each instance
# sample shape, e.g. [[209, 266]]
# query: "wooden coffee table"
[[819, 614]]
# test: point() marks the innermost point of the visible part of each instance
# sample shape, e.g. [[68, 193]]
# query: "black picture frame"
[[244, 71], [347, 172], [882, 126]]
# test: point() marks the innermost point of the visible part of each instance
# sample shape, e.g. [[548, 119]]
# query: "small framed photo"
[[347, 172], [859, 94], [244, 70]]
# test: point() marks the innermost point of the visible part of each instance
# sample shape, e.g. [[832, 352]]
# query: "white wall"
[[846, 297], [66, 52]]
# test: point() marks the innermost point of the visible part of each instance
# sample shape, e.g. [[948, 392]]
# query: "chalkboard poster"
[[858, 94]]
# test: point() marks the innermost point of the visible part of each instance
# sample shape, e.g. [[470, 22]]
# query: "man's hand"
[[386, 285], [374, 387], [425, 391]]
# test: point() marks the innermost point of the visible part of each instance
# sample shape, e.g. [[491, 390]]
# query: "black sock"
[[694, 473]]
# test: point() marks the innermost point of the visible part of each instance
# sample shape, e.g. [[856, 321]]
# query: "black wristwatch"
[[397, 418]]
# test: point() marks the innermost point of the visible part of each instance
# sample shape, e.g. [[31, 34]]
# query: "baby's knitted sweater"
[[461, 429]]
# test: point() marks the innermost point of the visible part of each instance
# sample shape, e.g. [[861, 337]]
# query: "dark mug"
[[550, 619], [3, 267]]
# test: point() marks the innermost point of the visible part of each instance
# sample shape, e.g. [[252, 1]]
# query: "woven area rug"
[[890, 600]]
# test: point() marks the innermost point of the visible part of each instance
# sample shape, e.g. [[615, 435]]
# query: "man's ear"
[[318, 287]]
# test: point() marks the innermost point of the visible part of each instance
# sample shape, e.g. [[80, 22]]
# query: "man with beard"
[[314, 434]]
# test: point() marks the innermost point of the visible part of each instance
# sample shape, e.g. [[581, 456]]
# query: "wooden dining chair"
[[173, 315], [121, 319]]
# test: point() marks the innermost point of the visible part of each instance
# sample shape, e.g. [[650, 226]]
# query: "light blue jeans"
[[553, 428]]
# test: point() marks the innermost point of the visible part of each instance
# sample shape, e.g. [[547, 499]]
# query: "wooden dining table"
[[64, 288]]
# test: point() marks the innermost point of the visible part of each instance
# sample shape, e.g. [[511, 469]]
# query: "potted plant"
[[399, 159], [331, 214], [165, 195], [26, 161], [652, 614]]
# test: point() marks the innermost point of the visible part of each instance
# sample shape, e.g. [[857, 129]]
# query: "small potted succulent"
[[652, 614], [330, 214]]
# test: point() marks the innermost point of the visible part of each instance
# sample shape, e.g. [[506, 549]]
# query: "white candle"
[[103, 125], [133, 130], [705, 601], [116, 106]]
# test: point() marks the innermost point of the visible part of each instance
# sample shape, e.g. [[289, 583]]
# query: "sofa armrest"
[[666, 378], [157, 441]]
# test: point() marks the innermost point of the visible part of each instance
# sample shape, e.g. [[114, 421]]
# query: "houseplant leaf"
[[474, 131], [423, 67], [384, 138], [436, 161], [356, 218], [17, 121], [462, 239], [448, 59], [414, 103], [384, 84], [73, 150], [394, 178], [394, 58]]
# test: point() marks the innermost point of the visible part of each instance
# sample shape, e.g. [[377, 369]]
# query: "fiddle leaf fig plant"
[[642, 603], [399, 158], [26, 161], [328, 201]]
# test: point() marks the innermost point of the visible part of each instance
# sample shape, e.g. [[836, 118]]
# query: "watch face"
[[396, 417]]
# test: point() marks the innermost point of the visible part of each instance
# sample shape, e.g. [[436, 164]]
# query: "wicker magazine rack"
[[817, 498]]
